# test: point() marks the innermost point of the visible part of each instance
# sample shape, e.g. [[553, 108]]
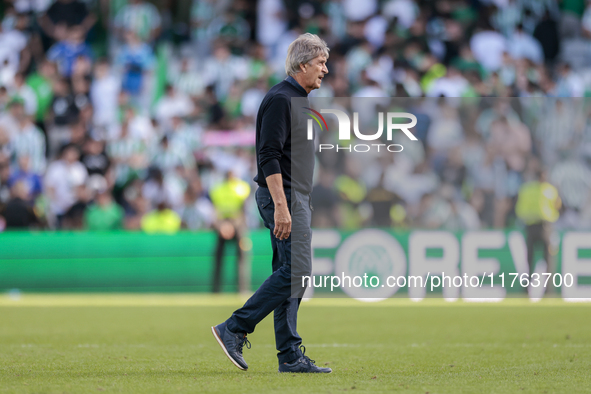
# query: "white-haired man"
[[278, 196]]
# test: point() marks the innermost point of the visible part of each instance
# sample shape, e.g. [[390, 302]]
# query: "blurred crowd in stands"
[[127, 114], [474, 158]]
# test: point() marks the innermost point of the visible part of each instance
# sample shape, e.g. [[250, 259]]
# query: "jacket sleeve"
[[275, 127]]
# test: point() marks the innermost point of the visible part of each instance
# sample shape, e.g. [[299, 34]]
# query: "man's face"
[[314, 71]]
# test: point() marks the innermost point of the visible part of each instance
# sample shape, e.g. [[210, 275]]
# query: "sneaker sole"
[[303, 372], [217, 338]]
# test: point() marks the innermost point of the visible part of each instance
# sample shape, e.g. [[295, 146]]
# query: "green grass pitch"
[[163, 344]]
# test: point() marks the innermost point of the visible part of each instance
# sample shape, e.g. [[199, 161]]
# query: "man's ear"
[[303, 67]]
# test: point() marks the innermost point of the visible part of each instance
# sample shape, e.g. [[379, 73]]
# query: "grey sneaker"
[[303, 365], [231, 344]]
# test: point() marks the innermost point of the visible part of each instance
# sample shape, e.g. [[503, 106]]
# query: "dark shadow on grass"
[[188, 373]]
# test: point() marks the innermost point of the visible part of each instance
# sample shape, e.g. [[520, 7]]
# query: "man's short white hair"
[[303, 50]]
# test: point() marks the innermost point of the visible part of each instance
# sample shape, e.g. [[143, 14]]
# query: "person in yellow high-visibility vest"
[[228, 199], [162, 220], [538, 205]]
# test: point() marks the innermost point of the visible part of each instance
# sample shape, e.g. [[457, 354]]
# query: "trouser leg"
[[531, 240], [217, 273], [241, 281], [272, 293], [287, 339], [545, 238], [550, 263], [275, 294]]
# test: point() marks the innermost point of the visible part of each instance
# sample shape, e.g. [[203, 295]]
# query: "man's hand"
[[282, 222], [282, 216]]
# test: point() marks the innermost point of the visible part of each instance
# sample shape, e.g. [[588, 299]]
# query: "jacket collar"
[[295, 83]]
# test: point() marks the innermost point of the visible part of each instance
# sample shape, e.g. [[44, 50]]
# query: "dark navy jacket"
[[279, 149]]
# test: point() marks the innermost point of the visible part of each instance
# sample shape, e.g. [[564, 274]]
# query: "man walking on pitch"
[[283, 200]]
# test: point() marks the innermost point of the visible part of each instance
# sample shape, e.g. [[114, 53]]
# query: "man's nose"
[[325, 70]]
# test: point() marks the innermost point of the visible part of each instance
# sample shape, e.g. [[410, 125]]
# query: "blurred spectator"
[[572, 177], [128, 155], [228, 199], [216, 114], [202, 13], [453, 84], [187, 78], [4, 184], [387, 209], [488, 47], [12, 45], [41, 82], [445, 210], [137, 126], [94, 157], [461, 215], [18, 212], [547, 34], [28, 140], [453, 170], [167, 157], [4, 145], [222, 69], [252, 98], [161, 220], [584, 22], [272, 21], [355, 11], [198, 211], [9, 119], [523, 45], [231, 28], [325, 201], [61, 183], [31, 181], [4, 98], [446, 131], [570, 18], [186, 138], [65, 52], [352, 192], [512, 140], [79, 135], [164, 188], [104, 214], [484, 178], [538, 207], [63, 114], [73, 219], [136, 60], [135, 205], [64, 14], [507, 16], [405, 11], [25, 92], [172, 104], [64, 110], [104, 91], [466, 62], [139, 17]]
